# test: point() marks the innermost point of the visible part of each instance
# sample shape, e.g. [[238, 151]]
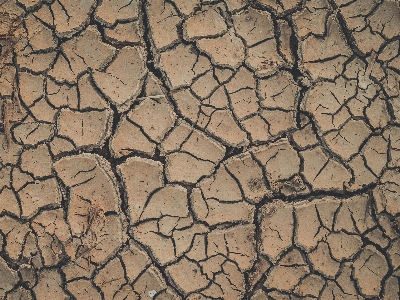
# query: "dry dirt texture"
[[192, 149]]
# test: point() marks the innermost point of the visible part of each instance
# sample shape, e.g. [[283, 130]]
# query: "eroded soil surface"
[[191, 149]]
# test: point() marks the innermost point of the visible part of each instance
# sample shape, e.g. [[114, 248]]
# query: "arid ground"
[[192, 149]]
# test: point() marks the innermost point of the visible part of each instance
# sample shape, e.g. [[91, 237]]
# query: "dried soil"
[[191, 149]]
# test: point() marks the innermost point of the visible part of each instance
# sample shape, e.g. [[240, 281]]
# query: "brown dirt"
[[187, 149]]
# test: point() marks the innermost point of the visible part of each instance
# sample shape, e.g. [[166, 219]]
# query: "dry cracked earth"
[[192, 149]]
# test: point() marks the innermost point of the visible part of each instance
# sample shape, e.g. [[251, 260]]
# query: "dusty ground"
[[190, 149]]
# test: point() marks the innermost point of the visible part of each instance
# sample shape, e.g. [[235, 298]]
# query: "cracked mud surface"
[[191, 149]]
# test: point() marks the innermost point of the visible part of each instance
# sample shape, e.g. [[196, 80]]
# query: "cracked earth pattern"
[[192, 149]]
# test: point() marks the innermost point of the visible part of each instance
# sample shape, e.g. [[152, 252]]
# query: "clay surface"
[[192, 149]]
